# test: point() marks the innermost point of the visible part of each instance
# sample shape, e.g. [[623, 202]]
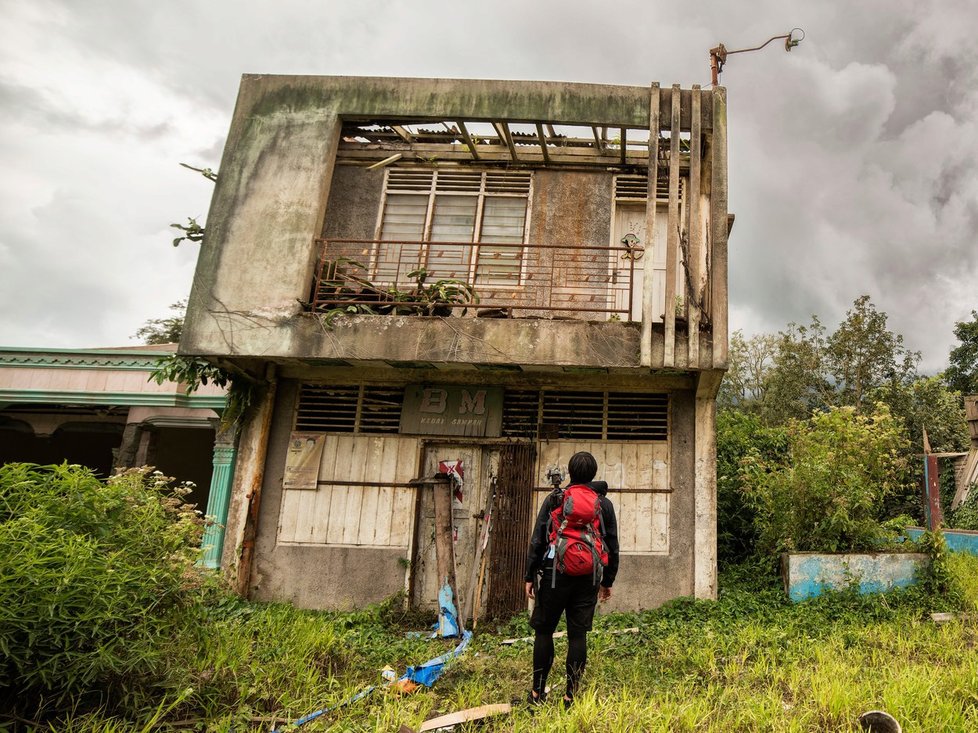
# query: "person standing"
[[557, 592]]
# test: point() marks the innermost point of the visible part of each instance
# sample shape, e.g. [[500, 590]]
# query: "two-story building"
[[496, 273]]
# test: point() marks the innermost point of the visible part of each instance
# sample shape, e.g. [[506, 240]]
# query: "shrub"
[[829, 494], [92, 578], [966, 515], [740, 435]]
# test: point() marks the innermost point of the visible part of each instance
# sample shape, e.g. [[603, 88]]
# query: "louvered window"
[[636, 188], [552, 415], [448, 221], [349, 409]]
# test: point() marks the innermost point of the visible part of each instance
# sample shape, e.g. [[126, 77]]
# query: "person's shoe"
[[536, 698], [568, 701]]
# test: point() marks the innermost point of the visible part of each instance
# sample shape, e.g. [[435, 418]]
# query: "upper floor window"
[[457, 224]]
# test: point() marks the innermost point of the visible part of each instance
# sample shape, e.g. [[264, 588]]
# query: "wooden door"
[[464, 519]]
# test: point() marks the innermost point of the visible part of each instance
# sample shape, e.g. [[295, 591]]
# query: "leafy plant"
[[194, 372], [348, 293], [828, 495], [966, 515], [192, 231], [94, 577]]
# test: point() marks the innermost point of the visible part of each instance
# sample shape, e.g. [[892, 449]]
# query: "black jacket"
[[539, 541]]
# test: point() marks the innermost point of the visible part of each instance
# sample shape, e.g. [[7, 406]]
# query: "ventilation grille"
[[552, 415], [515, 183], [419, 180], [409, 180], [636, 188], [349, 409], [521, 413], [637, 416]]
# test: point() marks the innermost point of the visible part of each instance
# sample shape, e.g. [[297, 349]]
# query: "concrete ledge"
[[807, 574], [958, 540]]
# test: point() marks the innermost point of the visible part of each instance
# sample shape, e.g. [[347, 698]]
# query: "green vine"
[[194, 373]]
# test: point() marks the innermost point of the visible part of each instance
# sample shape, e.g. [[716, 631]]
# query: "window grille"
[[581, 415], [349, 409], [636, 188]]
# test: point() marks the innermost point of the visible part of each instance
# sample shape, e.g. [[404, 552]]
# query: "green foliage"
[[926, 403], [194, 372], [828, 495], [93, 577], [966, 515], [342, 281], [749, 364], [192, 231], [164, 330], [962, 372], [863, 354], [740, 436]]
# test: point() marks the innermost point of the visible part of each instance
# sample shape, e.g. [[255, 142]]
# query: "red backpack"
[[576, 531]]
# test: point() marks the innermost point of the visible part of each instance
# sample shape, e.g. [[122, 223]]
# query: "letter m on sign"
[[476, 404]]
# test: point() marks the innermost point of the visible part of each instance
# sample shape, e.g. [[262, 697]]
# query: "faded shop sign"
[[452, 410]]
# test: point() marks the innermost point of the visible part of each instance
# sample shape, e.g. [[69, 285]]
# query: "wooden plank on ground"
[[465, 716]]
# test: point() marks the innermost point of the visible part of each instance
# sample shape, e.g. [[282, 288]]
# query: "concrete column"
[[705, 487], [125, 454], [217, 503]]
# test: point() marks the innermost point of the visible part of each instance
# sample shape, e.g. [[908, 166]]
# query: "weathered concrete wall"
[[313, 576], [269, 201], [808, 574], [354, 202], [321, 576]]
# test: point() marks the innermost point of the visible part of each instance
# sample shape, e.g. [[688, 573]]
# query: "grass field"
[[748, 662]]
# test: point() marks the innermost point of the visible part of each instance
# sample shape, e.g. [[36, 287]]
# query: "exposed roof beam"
[[624, 144], [543, 144], [468, 139], [403, 133], [503, 130]]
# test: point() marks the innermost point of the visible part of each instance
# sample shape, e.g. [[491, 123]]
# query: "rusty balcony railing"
[[486, 278]]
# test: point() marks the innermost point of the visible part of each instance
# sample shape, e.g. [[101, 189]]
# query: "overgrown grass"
[[748, 662], [135, 640]]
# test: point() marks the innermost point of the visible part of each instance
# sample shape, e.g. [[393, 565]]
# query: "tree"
[[797, 384], [927, 403], [164, 330], [962, 374], [863, 354], [750, 362], [813, 370]]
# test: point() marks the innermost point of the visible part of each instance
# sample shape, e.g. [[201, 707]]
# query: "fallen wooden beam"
[[465, 716]]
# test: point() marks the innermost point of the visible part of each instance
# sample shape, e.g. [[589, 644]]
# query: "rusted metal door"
[[510, 529]]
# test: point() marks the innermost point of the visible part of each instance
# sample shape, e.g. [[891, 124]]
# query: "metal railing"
[[509, 279]]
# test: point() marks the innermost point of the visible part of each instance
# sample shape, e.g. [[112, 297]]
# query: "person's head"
[[582, 467]]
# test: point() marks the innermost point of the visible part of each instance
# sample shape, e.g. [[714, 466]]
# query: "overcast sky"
[[853, 159]]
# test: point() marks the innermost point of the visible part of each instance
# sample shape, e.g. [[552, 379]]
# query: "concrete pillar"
[[705, 487], [217, 502]]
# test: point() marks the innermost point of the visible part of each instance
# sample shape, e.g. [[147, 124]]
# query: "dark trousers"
[[575, 597]]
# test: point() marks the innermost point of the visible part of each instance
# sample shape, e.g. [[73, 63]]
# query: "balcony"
[[485, 279]]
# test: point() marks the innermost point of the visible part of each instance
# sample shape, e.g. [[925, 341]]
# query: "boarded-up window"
[[638, 480], [448, 221], [361, 498]]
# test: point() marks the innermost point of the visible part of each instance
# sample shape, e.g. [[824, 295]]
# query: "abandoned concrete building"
[[469, 277]]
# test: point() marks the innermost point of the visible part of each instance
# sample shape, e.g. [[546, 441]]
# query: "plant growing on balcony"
[[350, 294]]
